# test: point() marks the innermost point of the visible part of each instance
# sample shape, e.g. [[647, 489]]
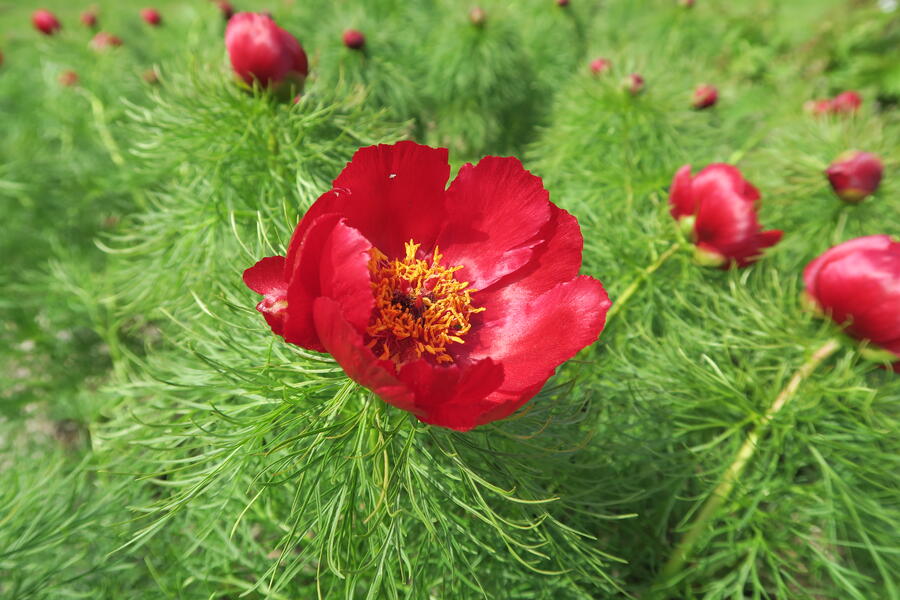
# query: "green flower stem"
[[633, 287], [733, 473]]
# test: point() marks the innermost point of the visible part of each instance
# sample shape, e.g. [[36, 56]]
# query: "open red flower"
[[718, 209], [261, 50], [857, 284], [454, 304]]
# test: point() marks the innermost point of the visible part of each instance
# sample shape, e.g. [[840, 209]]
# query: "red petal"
[[346, 344], [452, 396], [859, 283], [869, 242], [726, 219], [720, 176], [496, 209], [331, 261], [553, 262], [266, 276], [681, 199], [531, 338], [396, 193]]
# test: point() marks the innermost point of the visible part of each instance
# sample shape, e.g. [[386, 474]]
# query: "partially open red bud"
[[633, 84], [846, 103], [704, 96], [354, 39], [477, 16], [599, 66], [151, 16], [717, 210], [857, 285], [855, 175], [45, 22], [105, 41], [89, 18], [68, 78], [262, 51]]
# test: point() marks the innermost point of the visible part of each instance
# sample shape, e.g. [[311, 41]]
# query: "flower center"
[[420, 308]]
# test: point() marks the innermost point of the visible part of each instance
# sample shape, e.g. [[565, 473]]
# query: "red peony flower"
[[89, 18], [633, 84], [354, 39], [846, 103], [599, 66], [855, 175], [857, 284], [151, 16], [704, 96], [261, 50], [45, 22], [718, 207], [453, 304], [104, 41]]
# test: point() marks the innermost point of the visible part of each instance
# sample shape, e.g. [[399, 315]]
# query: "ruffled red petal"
[[532, 337], [452, 396], [495, 210], [681, 199], [396, 193], [266, 277], [332, 261], [345, 343], [556, 260]]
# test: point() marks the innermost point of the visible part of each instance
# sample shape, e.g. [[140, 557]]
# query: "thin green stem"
[[733, 472], [633, 287]]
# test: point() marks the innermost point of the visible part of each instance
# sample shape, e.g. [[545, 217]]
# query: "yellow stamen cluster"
[[420, 308]]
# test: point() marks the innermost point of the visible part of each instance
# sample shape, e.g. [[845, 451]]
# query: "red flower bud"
[[704, 96], [150, 76], [45, 22], [718, 210], [477, 16], [846, 103], [817, 108], [563, 3], [104, 41], [226, 8], [89, 18], [354, 39], [68, 78], [633, 84], [151, 16], [599, 66], [855, 175], [857, 285], [453, 303], [260, 50]]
